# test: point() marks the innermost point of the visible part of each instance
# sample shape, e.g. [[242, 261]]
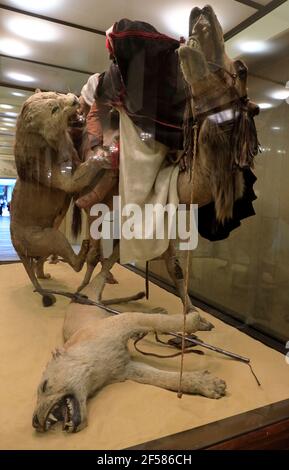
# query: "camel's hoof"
[[48, 300]]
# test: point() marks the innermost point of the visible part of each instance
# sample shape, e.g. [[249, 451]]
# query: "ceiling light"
[[265, 105], [8, 119], [20, 95], [253, 47], [35, 29], [280, 95], [13, 47], [20, 77], [36, 4], [6, 106], [9, 124], [276, 128], [3, 129], [177, 21], [11, 114]]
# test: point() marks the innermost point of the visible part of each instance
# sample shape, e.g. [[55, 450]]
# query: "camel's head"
[[222, 112], [62, 394], [215, 80], [47, 114], [206, 29]]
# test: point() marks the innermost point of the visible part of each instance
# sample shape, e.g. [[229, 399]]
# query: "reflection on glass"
[[247, 275]]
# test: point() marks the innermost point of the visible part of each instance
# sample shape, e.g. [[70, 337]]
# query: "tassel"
[[245, 142]]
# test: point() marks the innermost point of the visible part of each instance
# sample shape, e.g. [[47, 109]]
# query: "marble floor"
[[7, 252]]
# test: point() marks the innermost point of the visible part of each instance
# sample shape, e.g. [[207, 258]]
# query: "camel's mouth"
[[66, 410], [205, 32], [201, 18]]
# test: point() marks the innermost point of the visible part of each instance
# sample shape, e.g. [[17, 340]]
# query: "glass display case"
[[156, 87]]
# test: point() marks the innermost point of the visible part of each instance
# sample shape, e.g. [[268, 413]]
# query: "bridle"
[[206, 103], [240, 124]]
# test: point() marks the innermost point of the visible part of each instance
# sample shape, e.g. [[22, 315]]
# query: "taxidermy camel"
[[226, 138], [95, 354], [48, 176]]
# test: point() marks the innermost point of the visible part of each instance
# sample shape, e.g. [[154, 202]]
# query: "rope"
[[160, 356], [186, 280]]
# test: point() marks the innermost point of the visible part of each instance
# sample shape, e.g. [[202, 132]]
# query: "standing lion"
[[49, 174]]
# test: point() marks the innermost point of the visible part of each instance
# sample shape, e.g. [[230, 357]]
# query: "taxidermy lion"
[[96, 354], [49, 174]]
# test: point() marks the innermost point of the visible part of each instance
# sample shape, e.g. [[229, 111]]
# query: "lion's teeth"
[[52, 417], [69, 424]]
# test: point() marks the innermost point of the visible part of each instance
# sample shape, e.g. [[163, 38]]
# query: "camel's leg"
[[107, 265], [28, 263], [39, 269], [197, 383], [93, 258], [175, 271]]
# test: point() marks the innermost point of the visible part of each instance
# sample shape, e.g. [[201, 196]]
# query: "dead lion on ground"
[[96, 354]]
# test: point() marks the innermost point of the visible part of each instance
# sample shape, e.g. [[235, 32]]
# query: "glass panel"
[[247, 274]]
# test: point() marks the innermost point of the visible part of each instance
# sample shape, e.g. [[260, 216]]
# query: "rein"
[[244, 140]]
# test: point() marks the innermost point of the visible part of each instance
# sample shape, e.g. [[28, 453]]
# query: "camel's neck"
[[201, 186]]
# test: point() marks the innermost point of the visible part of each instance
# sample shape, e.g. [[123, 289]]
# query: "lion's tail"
[[76, 224]]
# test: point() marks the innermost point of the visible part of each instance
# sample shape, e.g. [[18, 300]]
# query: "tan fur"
[[213, 178], [49, 175], [213, 165], [95, 354]]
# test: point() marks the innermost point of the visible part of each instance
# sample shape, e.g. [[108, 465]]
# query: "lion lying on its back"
[[49, 174]]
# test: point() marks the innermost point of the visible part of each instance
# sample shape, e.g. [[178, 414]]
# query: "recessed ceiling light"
[[280, 95], [8, 119], [11, 114], [36, 4], [20, 95], [13, 47], [253, 47], [20, 77], [32, 28], [276, 128], [265, 105], [6, 106]]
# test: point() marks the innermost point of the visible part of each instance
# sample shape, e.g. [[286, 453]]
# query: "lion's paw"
[[206, 384], [197, 323], [205, 325]]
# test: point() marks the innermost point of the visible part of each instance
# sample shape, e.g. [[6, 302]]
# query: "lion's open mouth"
[[67, 411]]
